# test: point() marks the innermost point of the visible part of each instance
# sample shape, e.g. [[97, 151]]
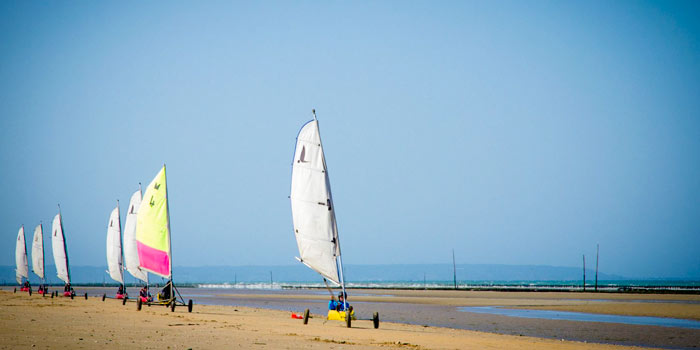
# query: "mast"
[[141, 192], [121, 246], [339, 256], [597, 252], [170, 243], [65, 249]]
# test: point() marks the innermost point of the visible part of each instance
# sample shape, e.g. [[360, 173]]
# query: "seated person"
[[144, 293], [165, 292], [339, 305], [121, 289], [26, 284], [67, 288], [41, 288]]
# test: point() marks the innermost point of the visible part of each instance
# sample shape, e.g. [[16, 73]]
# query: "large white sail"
[[21, 256], [131, 255], [312, 205], [114, 247], [38, 251], [58, 244]]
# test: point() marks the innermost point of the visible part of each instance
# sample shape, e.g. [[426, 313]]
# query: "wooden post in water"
[[597, 252], [584, 272]]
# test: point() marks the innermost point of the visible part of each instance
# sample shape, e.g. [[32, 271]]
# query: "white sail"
[[38, 251], [312, 205], [21, 256], [58, 244], [131, 255], [114, 247]]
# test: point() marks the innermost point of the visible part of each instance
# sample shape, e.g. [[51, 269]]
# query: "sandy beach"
[[46, 323]]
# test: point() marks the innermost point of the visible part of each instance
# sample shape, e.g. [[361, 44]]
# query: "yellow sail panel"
[[152, 229]]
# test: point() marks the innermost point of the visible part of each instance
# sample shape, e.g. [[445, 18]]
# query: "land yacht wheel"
[[375, 320], [104, 296], [172, 306], [138, 304], [348, 319], [124, 300], [189, 306], [306, 316], [85, 296]]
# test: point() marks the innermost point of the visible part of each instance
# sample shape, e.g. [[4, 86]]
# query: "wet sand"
[[46, 323]]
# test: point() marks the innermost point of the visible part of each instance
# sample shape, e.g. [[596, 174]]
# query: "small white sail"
[[38, 251], [114, 247], [58, 244], [312, 205], [21, 256], [131, 255]]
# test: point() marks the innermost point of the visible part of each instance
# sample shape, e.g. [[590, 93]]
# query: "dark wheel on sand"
[[30, 292], [306, 316], [124, 300], [189, 306], [348, 319], [138, 304], [72, 295], [52, 295], [172, 306], [375, 320], [104, 296], [15, 290], [85, 296]]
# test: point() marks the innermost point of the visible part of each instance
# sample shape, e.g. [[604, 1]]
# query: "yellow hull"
[[339, 315]]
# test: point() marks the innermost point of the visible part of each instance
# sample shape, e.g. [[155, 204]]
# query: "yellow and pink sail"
[[153, 228]]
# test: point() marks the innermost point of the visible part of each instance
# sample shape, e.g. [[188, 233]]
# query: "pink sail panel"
[[154, 260]]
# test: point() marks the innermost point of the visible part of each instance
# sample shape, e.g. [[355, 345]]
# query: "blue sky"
[[513, 132]]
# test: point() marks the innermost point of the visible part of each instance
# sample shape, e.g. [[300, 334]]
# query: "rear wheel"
[[104, 296], [306, 316], [375, 320], [348, 319], [124, 300], [52, 293], [15, 290], [85, 296], [138, 304], [30, 292], [172, 306], [189, 306], [72, 295]]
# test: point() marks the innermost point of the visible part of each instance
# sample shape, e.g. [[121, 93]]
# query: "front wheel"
[[138, 304], [348, 319], [375, 320], [306, 316], [124, 300], [30, 292], [15, 290], [104, 296], [172, 306], [85, 296], [189, 306]]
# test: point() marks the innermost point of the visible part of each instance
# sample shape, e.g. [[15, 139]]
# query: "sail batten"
[[313, 213], [21, 257], [114, 247], [58, 245], [38, 251]]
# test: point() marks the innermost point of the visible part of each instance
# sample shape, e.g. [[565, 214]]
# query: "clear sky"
[[517, 132]]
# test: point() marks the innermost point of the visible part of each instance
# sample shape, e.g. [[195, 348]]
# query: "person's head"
[[340, 296]]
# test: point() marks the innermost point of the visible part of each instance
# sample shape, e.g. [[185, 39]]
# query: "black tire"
[[306, 316], [172, 306], [30, 292], [375, 320], [348, 319], [72, 295], [104, 296], [189, 306], [124, 300], [15, 290], [52, 295], [85, 296], [138, 304]]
